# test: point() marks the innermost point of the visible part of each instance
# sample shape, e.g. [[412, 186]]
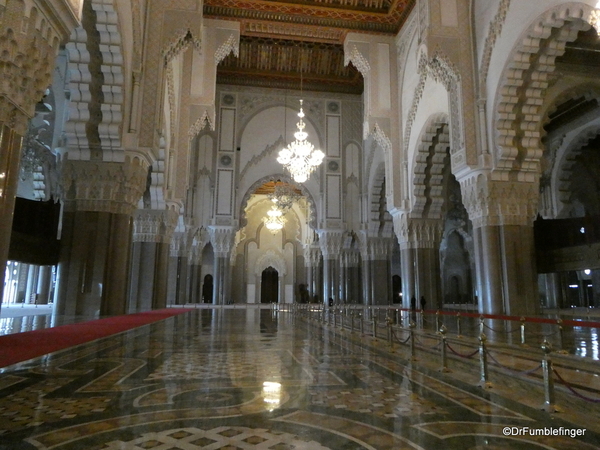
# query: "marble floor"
[[262, 379]]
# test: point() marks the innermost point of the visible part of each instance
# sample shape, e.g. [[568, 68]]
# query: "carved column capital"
[[151, 225], [374, 247], [350, 258], [312, 255], [330, 242], [495, 202], [417, 232], [113, 187], [222, 239]]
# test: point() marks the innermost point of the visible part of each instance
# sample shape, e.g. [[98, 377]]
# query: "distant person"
[[413, 303], [423, 303]]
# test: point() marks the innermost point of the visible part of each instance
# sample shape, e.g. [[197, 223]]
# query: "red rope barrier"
[[470, 355], [577, 394], [524, 372], [567, 322]]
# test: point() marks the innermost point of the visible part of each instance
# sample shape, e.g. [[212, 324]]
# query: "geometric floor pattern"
[[220, 438], [225, 379]]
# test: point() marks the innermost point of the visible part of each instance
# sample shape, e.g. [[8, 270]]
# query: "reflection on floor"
[[259, 379]]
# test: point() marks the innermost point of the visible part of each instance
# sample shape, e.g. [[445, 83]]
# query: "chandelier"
[[284, 196], [300, 157], [274, 220]]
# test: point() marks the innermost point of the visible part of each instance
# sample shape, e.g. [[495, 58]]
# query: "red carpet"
[[19, 347]]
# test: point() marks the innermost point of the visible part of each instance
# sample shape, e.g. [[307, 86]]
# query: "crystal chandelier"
[[300, 157], [274, 220], [284, 196]]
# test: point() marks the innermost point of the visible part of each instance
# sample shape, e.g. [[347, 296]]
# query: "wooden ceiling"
[[284, 41]]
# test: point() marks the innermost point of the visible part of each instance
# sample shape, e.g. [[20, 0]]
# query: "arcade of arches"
[[138, 158]]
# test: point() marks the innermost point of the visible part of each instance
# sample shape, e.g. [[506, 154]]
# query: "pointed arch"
[[524, 85], [429, 166]]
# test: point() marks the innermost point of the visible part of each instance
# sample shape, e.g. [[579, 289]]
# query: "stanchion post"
[[437, 320], [352, 322], [411, 326], [458, 327], [398, 317], [523, 332], [549, 401], [561, 335], [483, 368], [443, 355], [361, 324], [374, 326], [390, 322], [481, 325]]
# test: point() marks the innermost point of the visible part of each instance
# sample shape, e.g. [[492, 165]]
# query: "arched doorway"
[[269, 286], [207, 289]]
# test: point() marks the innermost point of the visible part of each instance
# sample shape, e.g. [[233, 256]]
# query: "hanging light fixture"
[[284, 196], [300, 158], [274, 220]]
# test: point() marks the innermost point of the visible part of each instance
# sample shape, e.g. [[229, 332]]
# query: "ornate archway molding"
[[524, 84], [271, 258]]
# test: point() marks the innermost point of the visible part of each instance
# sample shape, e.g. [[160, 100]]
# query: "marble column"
[[419, 241], [161, 270], [32, 282], [312, 262], [428, 276], [595, 301], [222, 239], [330, 243], [44, 284], [502, 213], [94, 264], [142, 276], [10, 156], [507, 277], [407, 267], [17, 104]]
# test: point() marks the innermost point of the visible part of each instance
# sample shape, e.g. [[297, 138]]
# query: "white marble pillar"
[[502, 213], [330, 243], [32, 282], [44, 284], [222, 240]]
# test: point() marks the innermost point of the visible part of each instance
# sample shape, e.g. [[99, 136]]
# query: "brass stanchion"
[[390, 332], [523, 332], [458, 327], [443, 355], [412, 326], [549, 402], [561, 335], [374, 327], [484, 382]]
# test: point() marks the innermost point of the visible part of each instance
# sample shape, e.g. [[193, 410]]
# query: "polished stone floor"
[[261, 379]]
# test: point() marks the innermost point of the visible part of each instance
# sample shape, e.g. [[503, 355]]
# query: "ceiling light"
[[300, 157], [274, 220], [284, 196]]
